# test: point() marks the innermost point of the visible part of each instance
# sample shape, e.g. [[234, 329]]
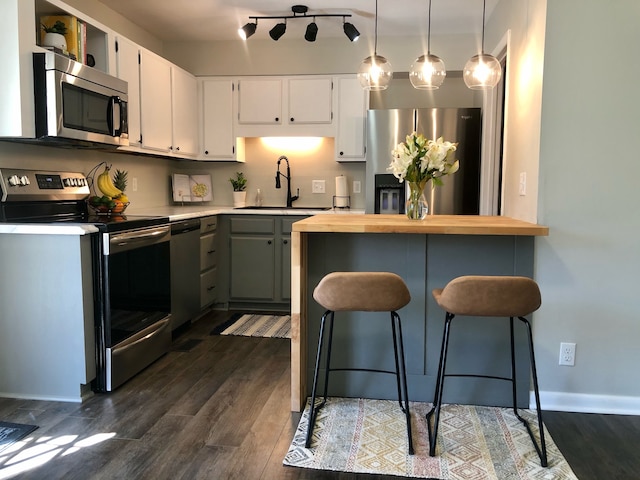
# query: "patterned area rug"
[[12, 432], [474, 443], [251, 325]]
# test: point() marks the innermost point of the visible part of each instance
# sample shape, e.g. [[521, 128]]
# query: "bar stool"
[[367, 292], [488, 296]]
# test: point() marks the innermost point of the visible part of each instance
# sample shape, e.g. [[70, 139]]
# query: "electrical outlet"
[[356, 186], [567, 354], [134, 184], [317, 186], [522, 187]]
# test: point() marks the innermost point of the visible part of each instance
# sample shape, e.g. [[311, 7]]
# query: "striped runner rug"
[[474, 442], [256, 325]]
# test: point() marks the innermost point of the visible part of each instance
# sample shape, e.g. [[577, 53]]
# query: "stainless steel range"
[[131, 268]]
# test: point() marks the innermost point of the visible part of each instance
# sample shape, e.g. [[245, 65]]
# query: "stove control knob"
[[14, 180], [24, 180]]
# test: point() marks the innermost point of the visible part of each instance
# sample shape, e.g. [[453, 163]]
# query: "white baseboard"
[[586, 403]]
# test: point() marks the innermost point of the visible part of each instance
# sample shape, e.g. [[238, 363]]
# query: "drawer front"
[[208, 224], [208, 251], [287, 222], [208, 287], [253, 225]]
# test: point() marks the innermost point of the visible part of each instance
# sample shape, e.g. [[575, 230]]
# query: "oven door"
[[134, 297]]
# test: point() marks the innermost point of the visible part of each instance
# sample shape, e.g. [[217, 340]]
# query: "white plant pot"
[[239, 199], [54, 40]]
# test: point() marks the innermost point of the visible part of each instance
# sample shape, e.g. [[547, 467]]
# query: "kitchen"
[[580, 242]]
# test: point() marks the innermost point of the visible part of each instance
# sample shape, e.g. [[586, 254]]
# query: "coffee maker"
[[390, 194]]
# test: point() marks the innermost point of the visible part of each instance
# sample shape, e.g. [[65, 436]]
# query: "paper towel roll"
[[342, 193]]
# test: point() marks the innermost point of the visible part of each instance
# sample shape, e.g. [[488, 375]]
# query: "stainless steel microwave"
[[78, 104]]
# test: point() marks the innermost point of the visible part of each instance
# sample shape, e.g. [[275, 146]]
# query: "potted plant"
[[54, 35], [239, 184]]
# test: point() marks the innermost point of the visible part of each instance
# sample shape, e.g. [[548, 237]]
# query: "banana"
[[106, 186]]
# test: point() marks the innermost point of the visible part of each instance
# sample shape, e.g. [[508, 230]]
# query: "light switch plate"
[[356, 186]]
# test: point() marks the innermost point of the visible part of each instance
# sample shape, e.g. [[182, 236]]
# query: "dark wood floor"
[[221, 411]]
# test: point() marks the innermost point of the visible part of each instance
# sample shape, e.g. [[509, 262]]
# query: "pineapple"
[[120, 181]]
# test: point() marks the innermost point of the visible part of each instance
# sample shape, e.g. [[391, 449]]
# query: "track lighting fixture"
[[375, 72], [277, 31], [482, 71], [299, 11], [312, 32], [350, 31], [248, 30], [428, 71]]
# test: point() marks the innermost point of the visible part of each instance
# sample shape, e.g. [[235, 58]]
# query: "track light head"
[[248, 30], [351, 31], [277, 31], [311, 33]]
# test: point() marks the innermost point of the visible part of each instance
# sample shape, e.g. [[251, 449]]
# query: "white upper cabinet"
[[155, 102], [353, 103], [310, 100], [127, 69], [218, 139], [260, 101], [184, 99]]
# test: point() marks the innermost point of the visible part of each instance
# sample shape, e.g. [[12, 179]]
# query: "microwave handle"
[[115, 100]]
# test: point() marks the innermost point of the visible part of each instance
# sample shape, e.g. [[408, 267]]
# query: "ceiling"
[[215, 20]]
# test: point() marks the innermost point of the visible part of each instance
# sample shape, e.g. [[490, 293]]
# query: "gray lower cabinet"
[[208, 261], [260, 259]]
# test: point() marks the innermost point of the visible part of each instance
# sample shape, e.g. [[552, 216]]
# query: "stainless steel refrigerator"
[[460, 193]]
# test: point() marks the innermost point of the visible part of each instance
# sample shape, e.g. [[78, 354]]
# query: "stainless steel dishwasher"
[[185, 271]]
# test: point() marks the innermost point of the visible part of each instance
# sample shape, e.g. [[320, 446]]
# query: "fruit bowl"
[[105, 209]]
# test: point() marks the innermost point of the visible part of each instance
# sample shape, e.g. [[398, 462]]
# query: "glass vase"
[[417, 206]]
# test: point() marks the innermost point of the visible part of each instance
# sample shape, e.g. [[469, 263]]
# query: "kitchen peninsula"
[[426, 254]]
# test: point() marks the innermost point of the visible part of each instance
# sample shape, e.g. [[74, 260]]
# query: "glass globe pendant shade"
[[375, 73], [482, 72], [427, 72]]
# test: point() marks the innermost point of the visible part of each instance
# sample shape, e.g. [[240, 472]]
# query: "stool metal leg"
[[542, 448], [313, 410], [401, 374], [437, 400]]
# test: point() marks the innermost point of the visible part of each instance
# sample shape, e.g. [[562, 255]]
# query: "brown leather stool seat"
[[367, 292], [488, 296]]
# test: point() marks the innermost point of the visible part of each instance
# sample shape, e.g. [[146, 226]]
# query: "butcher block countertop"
[[433, 224]]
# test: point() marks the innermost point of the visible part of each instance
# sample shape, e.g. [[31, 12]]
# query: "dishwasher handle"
[[184, 226]]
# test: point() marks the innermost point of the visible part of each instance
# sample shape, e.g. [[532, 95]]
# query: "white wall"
[[589, 168]]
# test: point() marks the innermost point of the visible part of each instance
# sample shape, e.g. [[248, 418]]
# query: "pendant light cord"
[[484, 8], [429, 31], [375, 44]]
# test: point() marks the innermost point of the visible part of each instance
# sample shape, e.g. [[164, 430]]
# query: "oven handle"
[[121, 242]]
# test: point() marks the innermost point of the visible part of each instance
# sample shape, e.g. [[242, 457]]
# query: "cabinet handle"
[[178, 148], [211, 251], [285, 242], [277, 119], [341, 153], [293, 119], [210, 288], [206, 152], [268, 242], [210, 224]]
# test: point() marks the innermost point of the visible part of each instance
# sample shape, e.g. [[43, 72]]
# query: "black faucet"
[[290, 199]]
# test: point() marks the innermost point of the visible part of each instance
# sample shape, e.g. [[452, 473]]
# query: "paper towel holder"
[[347, 202]]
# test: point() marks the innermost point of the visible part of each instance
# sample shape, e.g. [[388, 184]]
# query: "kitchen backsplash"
[[153, 174]]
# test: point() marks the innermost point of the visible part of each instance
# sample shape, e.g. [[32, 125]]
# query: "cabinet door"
[[310, 100], [155, 102], [184, 99], [208, 287], [128, 69], [352, 116], [252, 267], [217, 135], [260, 101]]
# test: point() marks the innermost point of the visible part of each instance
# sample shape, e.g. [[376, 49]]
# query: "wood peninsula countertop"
[[434, 224]]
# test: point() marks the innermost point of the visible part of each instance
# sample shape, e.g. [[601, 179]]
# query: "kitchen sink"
[[281, 208]]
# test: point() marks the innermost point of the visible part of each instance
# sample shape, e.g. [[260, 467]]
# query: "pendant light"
[[428, 71], [483, 71], [375, 72]]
